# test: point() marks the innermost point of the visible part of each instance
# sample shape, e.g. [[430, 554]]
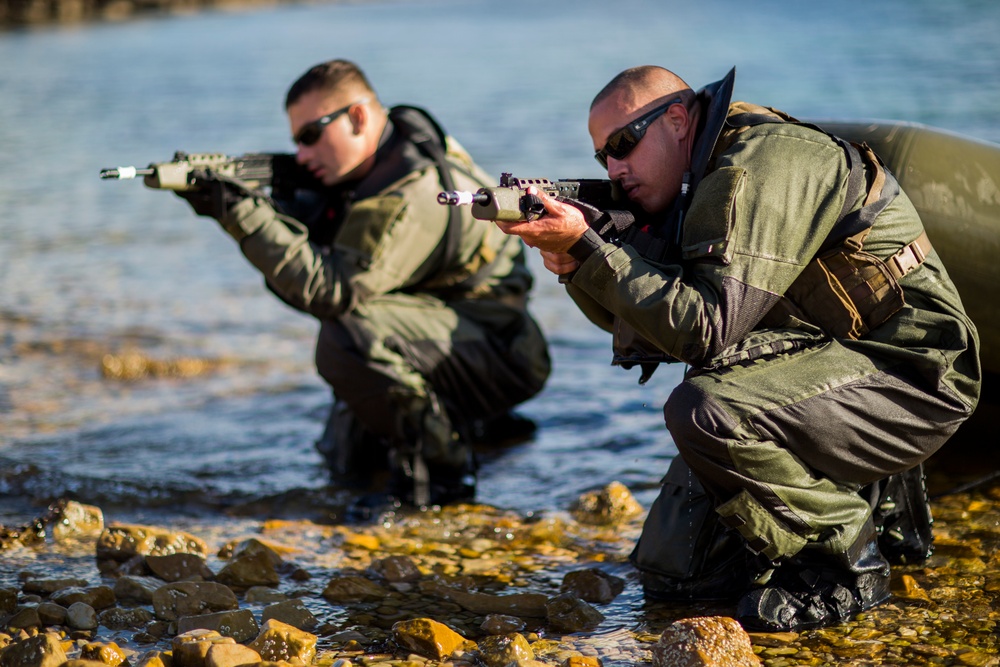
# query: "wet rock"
[[293, 612], [428, 638], [593, 585], [253, 547], [153, 659], [8, 601], [611, 505], [74, 520], [582, 661], [47, 587], [109, 654], [501, 650], [352, 588], [251, 569], [396, 569], [531, 605], [977, 659], [80, 662], [121, 542], [231, 655], [179, 567], [568, 613], [81, 616], [25, 617], [98, 597], [132, 588], [773, 638], [500, 624], [190, 648], [50, 613], [124, 618], [704, 641], [42, 650], [191, 598], [239, 624], [279, 641], [907, 588]]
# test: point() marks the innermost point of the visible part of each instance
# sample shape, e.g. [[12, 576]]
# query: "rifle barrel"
[[459, 198], [125, 173]]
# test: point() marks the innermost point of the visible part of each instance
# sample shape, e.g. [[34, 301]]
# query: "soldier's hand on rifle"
[[555, 231], [560, 263], [215, 194]]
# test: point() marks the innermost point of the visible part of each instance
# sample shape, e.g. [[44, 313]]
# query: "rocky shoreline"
[[34, 13], [466, 586]]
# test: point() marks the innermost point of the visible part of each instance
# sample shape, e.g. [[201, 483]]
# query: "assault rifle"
[[278, 172], [509, 202]]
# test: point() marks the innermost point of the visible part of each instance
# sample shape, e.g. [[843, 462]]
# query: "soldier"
[[425, 336], [829, 353]]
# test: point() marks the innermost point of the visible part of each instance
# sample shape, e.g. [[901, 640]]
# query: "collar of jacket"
[[397, 155], [714, 99]]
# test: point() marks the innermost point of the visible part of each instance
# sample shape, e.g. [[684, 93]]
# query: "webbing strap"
[[883, 188], [910, 257]]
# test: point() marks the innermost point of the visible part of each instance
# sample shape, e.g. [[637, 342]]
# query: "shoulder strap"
[[430, 139]]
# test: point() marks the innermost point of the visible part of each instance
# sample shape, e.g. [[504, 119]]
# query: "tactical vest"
[[844, 290]]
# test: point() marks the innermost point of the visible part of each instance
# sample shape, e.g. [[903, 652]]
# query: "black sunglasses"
[[310, 133], [621, 142]]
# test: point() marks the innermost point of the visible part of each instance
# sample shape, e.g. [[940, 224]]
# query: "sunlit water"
[[89, 267]]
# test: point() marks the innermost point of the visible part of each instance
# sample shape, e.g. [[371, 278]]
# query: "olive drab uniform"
[[424, 325], [827, 347]]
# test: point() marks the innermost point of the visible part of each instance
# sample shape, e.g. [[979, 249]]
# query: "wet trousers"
[[780, 448], [412, 367]]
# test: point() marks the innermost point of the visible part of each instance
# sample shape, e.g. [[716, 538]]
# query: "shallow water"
[[91, 268]]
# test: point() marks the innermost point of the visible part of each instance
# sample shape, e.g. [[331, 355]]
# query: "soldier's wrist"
[[586, 245]]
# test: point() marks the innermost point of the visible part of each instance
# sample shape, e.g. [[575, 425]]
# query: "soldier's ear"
[[360, 116]]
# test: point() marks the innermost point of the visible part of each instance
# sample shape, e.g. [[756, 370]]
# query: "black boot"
[[353, 456], [816, 590], [417, 483], [902, 514], [508, 429]]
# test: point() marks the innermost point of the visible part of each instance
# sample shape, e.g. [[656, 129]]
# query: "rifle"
[[509, 202], [278, 172], [608, 205]]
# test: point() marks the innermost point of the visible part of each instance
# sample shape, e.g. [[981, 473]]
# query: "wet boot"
[[353, 456], [902, 514], [509, 428], [417, 483], [817, 590]]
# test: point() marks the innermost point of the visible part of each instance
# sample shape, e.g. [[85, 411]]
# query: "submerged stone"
[[428, 638], [613, 504]]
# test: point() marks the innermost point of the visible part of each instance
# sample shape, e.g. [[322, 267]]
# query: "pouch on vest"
[[684, 550], [846, 292]]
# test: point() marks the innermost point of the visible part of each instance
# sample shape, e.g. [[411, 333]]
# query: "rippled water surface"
[[91, 268]]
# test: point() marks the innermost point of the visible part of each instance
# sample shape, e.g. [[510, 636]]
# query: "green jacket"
[[393, 236], [758, 215]]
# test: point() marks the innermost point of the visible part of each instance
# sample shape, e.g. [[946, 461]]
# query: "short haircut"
[[331, 76], [651, 77]]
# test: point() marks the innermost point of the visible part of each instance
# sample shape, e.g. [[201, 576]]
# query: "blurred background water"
[[90, 268]]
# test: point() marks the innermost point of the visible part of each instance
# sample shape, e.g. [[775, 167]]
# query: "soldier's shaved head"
[[641, 84]]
